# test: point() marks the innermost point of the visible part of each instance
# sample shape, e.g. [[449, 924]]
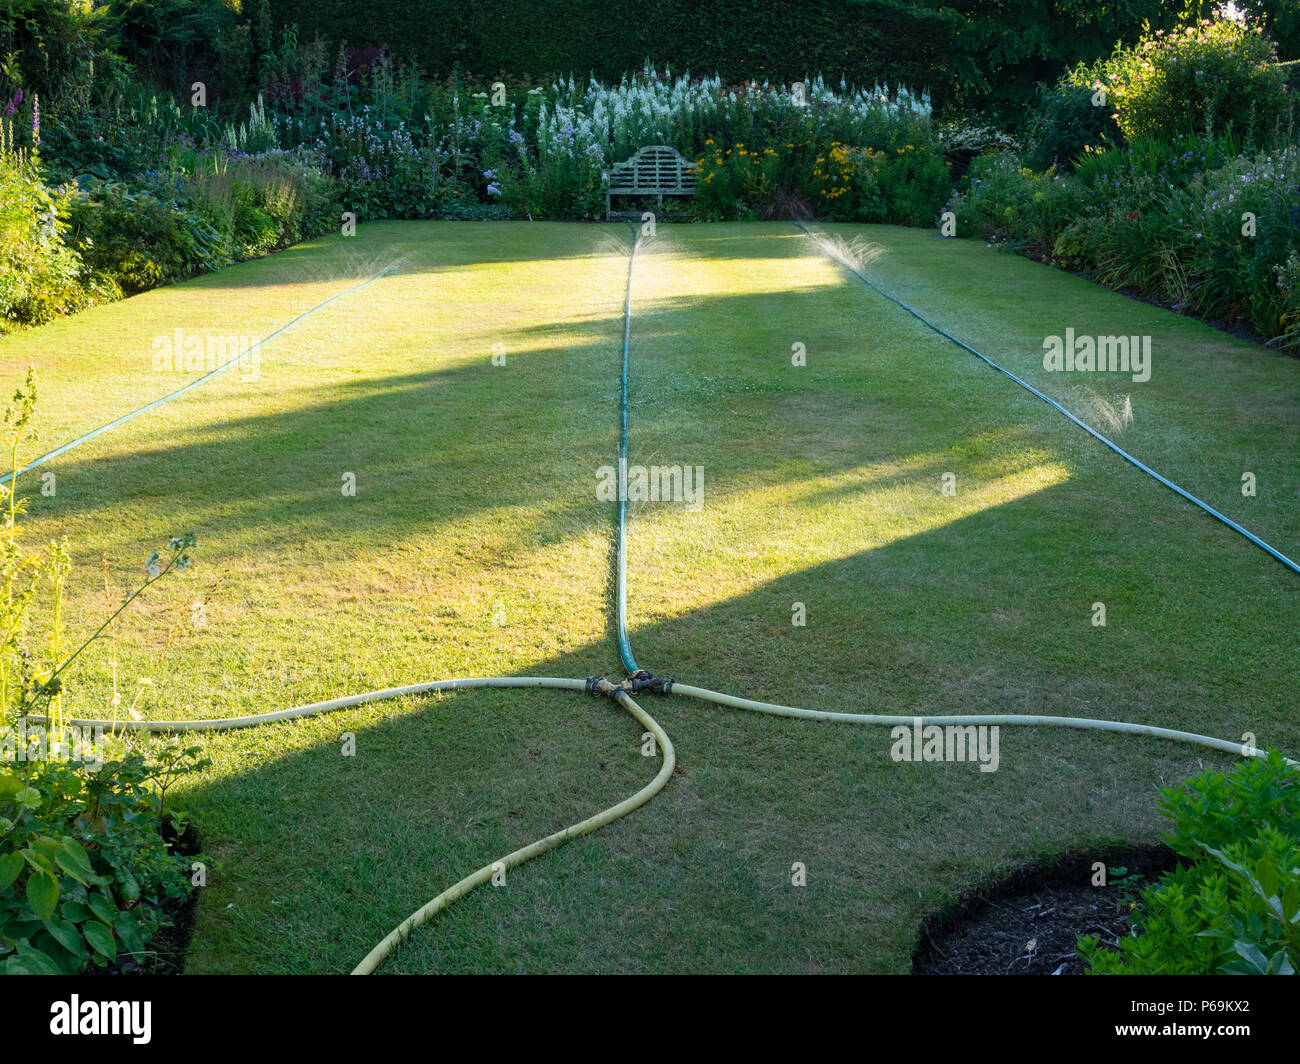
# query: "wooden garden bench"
[[657, 170]]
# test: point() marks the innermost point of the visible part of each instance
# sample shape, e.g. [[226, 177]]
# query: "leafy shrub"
[[963, 140], [56, 49], [1242, 222], [85, 870], [40, 277], [1123, 232], [95, 240], [142, 237], [1288, 286], [1168, 163], [1194, 224], [566, 182], [382, 172], [732, 181], [1234, 908], [1213, 79], [914, 183], [1141, 249], [125, 129], [464, 211], [1070, 118], [1217, 76], [1005, 201], [847, 183], [261, 203], [841, 182]]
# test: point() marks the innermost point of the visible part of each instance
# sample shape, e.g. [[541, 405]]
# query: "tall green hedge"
[[861, 40]]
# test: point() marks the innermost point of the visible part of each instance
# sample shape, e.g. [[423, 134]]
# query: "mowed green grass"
[[475, 546]]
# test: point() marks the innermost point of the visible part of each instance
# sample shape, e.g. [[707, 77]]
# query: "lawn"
[[475, 545]]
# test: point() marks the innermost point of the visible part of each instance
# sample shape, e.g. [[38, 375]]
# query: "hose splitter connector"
[[638, 682], [642, 681], [598, 685]]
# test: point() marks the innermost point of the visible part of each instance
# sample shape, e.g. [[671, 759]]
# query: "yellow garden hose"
[[376, 956], [1019, 719], [313, 708]]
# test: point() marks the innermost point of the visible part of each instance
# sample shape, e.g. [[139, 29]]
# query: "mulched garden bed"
[[1027, 923]]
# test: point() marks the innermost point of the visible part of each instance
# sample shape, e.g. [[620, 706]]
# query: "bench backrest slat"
[[658, 169]]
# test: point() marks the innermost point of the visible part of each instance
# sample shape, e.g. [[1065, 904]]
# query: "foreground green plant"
[[86, 870], [1235, 908]]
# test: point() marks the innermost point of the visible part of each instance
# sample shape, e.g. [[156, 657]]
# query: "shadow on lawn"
[[932, 623], [427, 446]]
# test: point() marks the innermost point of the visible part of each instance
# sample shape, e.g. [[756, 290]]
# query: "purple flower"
[[494, 189]]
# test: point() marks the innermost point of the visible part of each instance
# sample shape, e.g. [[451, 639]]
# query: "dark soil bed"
[[1028, 922]]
